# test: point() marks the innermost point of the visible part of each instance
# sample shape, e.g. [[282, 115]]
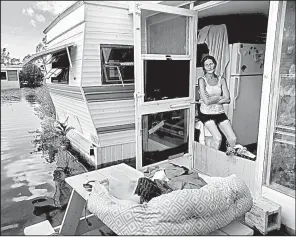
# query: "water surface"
[[25, 177]]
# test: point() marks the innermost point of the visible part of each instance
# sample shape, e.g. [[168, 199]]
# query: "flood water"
[[25, 178]]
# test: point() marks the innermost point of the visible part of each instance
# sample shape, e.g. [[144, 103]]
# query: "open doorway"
[[234, 33]]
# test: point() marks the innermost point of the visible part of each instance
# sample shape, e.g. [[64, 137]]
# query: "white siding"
[[77, 111], [9, 84], [104, 25], [75, 35], [118, 152], [113, 138], [67, 22], [81, 145], [112, 113], [217, 164]]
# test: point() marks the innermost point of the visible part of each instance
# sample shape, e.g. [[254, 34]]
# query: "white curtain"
[[216, 37]]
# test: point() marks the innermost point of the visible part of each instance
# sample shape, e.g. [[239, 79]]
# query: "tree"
[[15, 61], [31, 74], [26, 57]]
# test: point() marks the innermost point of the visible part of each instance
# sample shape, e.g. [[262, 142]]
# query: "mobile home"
[[125, 75], [10, 76]]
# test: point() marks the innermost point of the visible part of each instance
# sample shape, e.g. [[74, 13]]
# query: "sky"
[[23, 22]]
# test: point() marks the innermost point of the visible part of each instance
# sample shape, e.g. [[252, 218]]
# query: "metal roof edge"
[[62, 15]]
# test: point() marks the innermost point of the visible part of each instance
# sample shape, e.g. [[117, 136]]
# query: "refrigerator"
[[245, 76]]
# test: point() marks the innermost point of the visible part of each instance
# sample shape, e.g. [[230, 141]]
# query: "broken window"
[[166, 79], [117, 62], [60, 65], [165, 135]]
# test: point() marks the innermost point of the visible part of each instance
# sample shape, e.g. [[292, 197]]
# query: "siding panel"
[[109, 93], [104, 25], [105, 114], [65, 90], [77, 111], [75, 35], [112, 153], [120, 137], [66, 23]]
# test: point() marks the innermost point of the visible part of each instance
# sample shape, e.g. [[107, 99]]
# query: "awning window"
[[54, 72], [50, 52]]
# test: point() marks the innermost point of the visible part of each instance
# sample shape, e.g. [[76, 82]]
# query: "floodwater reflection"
[[27, 180]]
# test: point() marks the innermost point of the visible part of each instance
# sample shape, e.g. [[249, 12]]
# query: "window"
[[281, 155], [166, 79], [117, 64], [59, 72], [165, 135], [3, 76]]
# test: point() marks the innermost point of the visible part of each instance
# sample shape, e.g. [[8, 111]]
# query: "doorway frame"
[[144, 108]]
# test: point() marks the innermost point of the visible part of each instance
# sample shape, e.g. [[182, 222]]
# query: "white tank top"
[[212, 91]]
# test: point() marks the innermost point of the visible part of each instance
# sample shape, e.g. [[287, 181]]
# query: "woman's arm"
[[225, 93], [208, 100]]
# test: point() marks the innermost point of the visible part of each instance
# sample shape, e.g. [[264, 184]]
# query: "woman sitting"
[[214, 93]]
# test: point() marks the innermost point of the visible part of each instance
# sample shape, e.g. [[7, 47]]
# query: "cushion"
[[181, 212]]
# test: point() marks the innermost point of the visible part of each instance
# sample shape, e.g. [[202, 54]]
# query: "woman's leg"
[[226, 128], [217, 137]]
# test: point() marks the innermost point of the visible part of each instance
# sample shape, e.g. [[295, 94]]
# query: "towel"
[[216, 37]]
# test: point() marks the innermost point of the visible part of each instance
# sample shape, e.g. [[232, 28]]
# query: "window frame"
[[55, 57], [274, 106], [271, 80], [117, 66], [6, 79]]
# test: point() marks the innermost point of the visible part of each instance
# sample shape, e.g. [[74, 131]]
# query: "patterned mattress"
[[181, 212]]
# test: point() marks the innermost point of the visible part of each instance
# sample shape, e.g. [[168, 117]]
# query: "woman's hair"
[[202, 50], [205, 59]]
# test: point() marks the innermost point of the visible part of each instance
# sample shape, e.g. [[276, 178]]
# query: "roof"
[[11, 67], [77, 4]]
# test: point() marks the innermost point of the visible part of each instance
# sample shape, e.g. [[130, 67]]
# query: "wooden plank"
[[73, 214], [237, 228]]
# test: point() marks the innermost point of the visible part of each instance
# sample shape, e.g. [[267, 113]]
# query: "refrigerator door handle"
[[237, 90], [239, 61]]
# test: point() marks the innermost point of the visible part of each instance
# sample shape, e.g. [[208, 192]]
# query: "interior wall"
[[243, 28]]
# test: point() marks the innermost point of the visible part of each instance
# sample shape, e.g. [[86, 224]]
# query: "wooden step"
[[42, 228]]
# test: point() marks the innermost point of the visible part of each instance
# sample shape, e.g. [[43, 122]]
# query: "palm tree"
[[62, 127]]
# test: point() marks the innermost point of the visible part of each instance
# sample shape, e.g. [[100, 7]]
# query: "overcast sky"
[[22, 24]]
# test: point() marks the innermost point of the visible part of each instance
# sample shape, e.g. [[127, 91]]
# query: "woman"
[[214, 93]]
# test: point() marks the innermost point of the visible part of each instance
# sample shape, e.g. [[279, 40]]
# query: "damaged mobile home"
[[125, 75]]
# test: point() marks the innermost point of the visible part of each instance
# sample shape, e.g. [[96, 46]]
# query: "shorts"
[[217, 118]]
